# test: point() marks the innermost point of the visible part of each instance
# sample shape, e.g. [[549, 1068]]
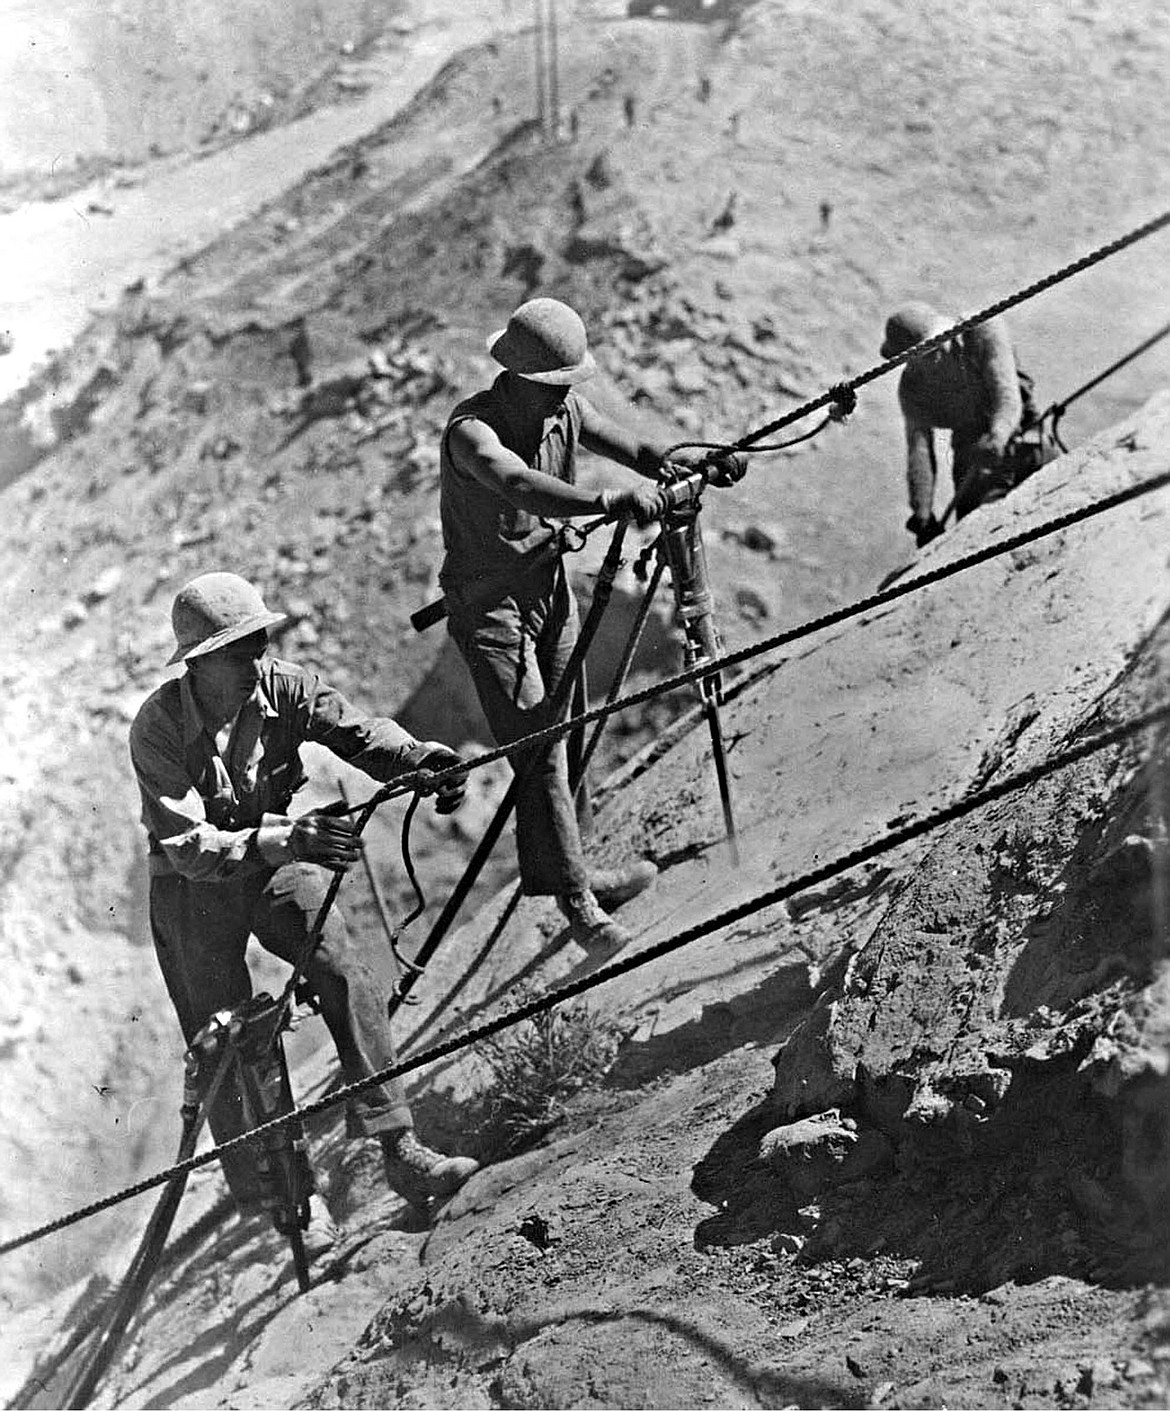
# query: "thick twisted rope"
[[407, 783], [892, 840], [839, 394], [840, 398]]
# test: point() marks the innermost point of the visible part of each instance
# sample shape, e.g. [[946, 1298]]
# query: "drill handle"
[[684, 491]]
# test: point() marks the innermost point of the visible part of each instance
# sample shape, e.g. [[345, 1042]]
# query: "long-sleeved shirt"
[[970, 387], [208, 815]]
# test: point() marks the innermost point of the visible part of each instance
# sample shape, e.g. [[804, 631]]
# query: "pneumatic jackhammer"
[[237, 1058], [271, 1174], [680, 546]]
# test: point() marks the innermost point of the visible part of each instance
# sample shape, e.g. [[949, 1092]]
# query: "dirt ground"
[[735, 236]]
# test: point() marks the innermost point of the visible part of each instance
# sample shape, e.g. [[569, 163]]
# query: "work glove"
[[450, 793], [724, 468], [924, 530], [642, 503], [326, 839]]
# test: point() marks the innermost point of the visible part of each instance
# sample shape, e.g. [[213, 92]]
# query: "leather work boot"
[[420, 1175], [614, 886], [592, 929]]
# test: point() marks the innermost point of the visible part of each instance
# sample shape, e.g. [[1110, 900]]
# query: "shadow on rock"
[[541, 1359], [960, 1206], [752, 1202], [760, 1015]]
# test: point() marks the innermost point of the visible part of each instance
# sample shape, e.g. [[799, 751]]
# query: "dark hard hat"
[[214, 610], [544, 341], [909, 325]]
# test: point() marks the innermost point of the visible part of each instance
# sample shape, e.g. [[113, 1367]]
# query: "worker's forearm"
[[920, 479], [506, 475], [606, 437], [541, 494], [1004, 422], [1006, 405]]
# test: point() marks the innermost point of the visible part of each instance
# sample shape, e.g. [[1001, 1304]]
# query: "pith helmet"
[[911, 324], [545, 341], [215, 609]]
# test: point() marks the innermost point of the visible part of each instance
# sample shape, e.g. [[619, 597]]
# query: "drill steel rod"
[[623, 670], [148, 1253], [682, 548], [557, 703], [715, 726]]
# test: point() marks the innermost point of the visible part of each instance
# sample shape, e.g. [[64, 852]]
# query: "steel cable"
[[840, 399]]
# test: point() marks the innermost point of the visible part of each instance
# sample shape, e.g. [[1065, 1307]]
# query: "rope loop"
[[572, 537]]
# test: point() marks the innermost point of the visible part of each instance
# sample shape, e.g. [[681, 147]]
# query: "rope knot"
[[843, 399]]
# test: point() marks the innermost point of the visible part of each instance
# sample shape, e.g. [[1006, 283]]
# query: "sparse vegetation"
[[962, 152], [536, 1068]]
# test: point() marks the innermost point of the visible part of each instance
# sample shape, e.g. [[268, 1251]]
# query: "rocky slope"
[[961, 1144], [273, 406]]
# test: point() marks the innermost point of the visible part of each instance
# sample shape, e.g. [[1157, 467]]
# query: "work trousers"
[[517, 650], [201, 932]]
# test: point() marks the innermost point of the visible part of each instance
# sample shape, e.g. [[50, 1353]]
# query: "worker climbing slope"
[[216, 753], [972, 387], [508, 461]]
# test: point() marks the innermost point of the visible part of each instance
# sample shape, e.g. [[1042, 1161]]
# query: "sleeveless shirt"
[[484, 536]]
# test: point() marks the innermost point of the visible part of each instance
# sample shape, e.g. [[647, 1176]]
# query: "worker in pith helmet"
[[216, 752], [508, 461], [971, 386]]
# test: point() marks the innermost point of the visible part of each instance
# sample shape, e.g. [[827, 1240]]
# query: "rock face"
[[974, 1101], [1029, 952], [983, 1012]]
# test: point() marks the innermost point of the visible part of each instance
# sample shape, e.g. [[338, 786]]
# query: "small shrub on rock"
[[535, 1069]]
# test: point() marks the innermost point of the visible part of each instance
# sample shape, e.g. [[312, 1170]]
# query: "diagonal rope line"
[[835, 394], [892, 840], [407, 782], [427, 782], [1059, 408]]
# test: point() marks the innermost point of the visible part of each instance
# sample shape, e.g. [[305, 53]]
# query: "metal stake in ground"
[[556, 707], [196, 1101]]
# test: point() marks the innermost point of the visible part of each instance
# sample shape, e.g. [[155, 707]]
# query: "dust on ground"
[[736, 248]]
